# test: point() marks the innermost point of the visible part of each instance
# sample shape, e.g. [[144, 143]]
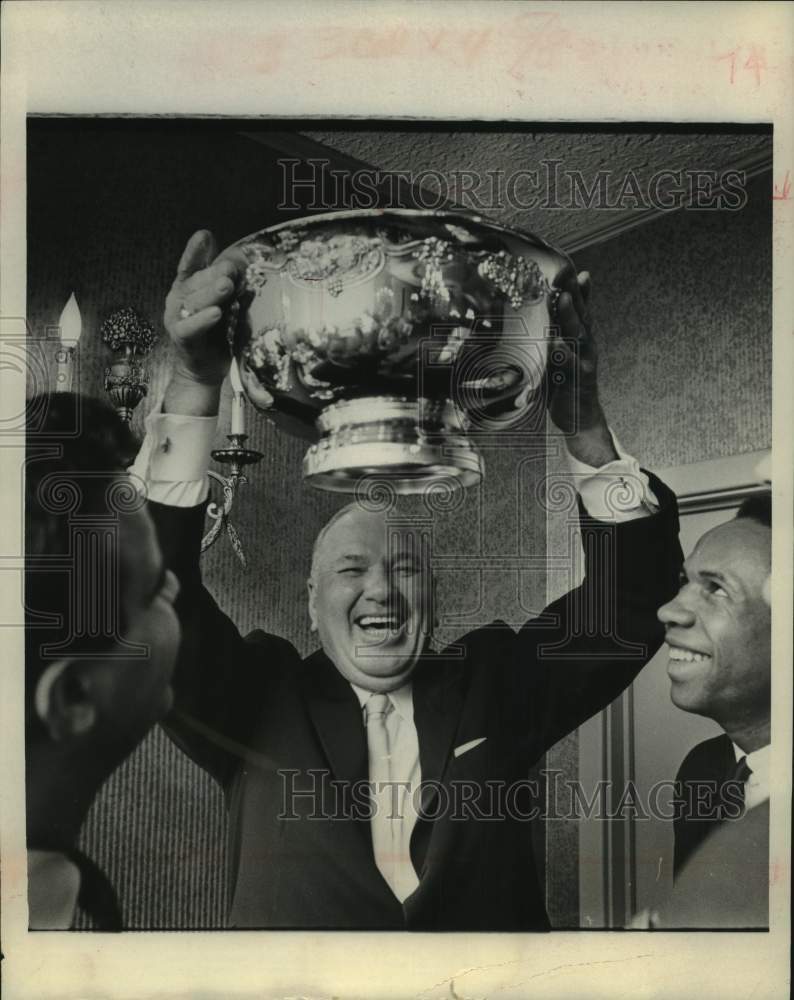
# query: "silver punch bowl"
[[393, 339]]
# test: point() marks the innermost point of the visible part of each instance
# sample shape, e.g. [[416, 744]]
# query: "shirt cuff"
[[172, 464], [618, 491]]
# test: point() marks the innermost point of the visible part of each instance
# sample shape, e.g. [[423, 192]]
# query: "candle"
[[238, 399], [71, 326]]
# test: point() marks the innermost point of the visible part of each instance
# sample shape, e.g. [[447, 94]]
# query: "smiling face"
[[369, 599], [719, 628]]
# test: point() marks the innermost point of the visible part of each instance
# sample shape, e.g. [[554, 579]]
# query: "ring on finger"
[[184, 312]]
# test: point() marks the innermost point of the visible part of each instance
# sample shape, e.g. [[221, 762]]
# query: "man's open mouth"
[[684, 664], [682, 655], [379, 625]]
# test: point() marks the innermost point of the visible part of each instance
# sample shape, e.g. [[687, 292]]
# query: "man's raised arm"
[[589, 645], [216, 667]]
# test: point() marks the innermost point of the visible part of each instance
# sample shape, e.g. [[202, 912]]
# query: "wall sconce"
[[130, 337], [70, 326]]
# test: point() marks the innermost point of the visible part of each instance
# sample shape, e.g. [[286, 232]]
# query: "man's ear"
[[312, 604], [63, 699]]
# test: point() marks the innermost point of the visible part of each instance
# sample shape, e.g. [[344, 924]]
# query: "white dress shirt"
[[172, 466], [756, 788]]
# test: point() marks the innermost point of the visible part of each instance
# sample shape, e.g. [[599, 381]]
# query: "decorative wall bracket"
[[130, 336], [237, 457]]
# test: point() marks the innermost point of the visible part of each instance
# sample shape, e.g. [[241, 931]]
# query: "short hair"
[[403, 508], [75, 445], [757, 507], [321, 534]]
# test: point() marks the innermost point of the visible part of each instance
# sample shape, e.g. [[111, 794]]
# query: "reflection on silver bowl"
[[391, 339]]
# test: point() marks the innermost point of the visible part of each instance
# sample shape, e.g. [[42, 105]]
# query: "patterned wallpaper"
[[683, 315], [110, 208]]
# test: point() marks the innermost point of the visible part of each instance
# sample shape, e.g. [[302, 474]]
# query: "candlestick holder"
[[64, 361], [237, 457], [70, 326]]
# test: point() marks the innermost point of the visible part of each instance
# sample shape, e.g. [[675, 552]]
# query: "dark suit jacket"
[[721, 861], [262, 721], [705, 796], [724, 884]]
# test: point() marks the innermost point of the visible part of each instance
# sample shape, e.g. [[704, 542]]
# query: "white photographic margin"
[[481, 60]]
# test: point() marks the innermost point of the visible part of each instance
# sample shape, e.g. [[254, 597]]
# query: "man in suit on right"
[[718, 628]]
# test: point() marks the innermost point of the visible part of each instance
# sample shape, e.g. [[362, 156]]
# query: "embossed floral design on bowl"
[[392, 339]]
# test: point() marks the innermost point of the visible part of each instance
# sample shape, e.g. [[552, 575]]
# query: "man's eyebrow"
[[351, 557], [715, 574]]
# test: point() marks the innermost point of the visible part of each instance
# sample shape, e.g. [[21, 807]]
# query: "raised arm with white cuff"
[[175, 456], [618, 491]]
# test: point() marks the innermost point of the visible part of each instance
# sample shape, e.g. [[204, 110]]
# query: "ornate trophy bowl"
[[393, 339]]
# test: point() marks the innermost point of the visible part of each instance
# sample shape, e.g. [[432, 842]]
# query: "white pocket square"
[[465, 747]]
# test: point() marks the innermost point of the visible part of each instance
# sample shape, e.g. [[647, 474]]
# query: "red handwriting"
[[777, 871], [538, 36], [374, 43], [782, 193], [534, 38], [524, 45], [746, 59]]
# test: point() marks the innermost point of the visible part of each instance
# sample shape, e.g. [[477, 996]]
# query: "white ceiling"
[[511, 151]]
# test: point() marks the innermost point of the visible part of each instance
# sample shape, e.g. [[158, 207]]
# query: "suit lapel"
[[336, 715], [729, 757], [334, 710], [721, 763], [438, 702]]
